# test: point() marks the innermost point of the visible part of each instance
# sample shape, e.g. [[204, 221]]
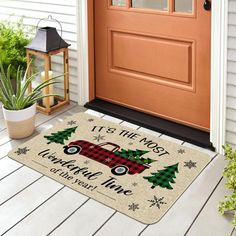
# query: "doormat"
[[132, 172]]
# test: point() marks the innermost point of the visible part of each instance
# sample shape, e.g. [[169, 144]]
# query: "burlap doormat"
[[135, 173]]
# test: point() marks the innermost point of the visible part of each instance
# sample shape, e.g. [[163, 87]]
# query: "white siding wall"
[[63, 11], [231, 84]]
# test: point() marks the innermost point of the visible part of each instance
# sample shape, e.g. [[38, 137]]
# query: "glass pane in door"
[[151, 4], [119, 3], [184, 6]]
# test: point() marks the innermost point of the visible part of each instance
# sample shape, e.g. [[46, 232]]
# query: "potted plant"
[[229, 203], [13, 39], [19, 106]]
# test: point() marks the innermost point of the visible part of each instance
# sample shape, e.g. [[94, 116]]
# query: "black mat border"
[[182, 132]]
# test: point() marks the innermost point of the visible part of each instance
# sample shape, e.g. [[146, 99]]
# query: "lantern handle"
[[49, 18]]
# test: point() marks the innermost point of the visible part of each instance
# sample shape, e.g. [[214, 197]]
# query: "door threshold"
[[182, 132]]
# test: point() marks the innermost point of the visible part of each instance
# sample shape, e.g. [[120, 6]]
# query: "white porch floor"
[[32, 204]]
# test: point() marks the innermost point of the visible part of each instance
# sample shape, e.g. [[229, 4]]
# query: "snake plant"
[[21, 98]]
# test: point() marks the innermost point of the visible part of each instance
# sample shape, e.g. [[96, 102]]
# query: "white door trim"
[[219, 73], [82, 45], [218, 66]]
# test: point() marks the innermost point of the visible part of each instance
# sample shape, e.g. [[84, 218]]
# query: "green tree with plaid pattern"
[[135, 155], [164, 177], [60, 136]]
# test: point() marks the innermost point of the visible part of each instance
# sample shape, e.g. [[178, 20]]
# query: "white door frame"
[[82, 46], [218, 66], [219, 41]]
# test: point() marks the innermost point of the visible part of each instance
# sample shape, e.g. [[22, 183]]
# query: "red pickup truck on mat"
[[118, 164]]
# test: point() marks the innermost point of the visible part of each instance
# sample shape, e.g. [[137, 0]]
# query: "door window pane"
[[151, 4], [184, 6], [119, 3]]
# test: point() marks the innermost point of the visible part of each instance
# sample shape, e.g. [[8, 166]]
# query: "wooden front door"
[[154, 56]]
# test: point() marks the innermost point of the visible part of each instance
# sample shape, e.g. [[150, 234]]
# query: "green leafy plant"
[[229, 203], [13, 39], [20, 98]]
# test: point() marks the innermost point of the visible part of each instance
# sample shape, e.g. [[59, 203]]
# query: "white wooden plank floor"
[[32, 204]]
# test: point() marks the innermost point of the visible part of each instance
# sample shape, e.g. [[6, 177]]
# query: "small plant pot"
[[21, 123]]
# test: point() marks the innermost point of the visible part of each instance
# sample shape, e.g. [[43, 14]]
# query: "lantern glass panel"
[[56, 69]]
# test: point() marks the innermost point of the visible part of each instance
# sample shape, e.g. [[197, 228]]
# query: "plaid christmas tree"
[[60, 136], [135, 155], [164, 177]]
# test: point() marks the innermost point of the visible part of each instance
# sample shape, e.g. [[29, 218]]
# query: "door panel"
[[137, 55], [155, 61]]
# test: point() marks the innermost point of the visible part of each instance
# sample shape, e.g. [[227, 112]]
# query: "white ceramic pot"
[[20, 123]]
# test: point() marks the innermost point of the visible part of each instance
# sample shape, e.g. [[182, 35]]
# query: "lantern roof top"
[[46, 40]]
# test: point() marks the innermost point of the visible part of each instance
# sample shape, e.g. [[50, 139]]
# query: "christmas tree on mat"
[[135, 155], [60, 136], [164, 177]]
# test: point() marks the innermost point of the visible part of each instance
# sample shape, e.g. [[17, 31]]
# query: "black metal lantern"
[[47, 43], [46, 40]]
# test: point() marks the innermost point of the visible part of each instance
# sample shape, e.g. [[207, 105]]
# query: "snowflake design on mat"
[[130, 144], [181, 151], [133, 207], [157, 202], [134, 184], [108, 159], [21, 151], [72, 122], [98, 138], [190, 164], [90, 120], [86, 162]]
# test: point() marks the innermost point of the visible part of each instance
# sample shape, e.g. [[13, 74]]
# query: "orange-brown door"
[[154, 56]]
